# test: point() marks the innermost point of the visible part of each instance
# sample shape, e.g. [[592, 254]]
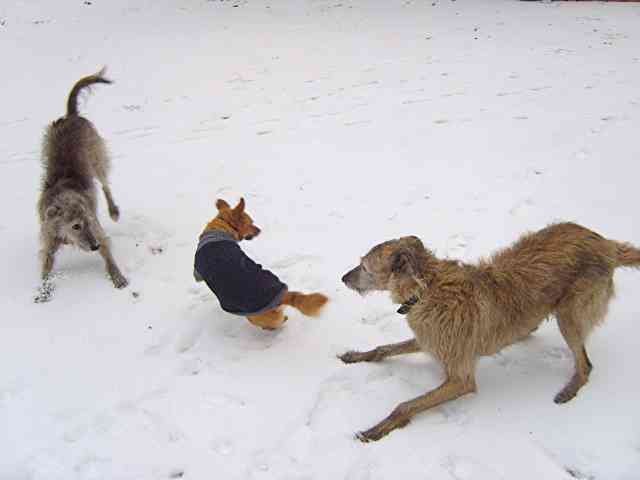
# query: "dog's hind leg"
[[271, 320], [118, 279], [381, 352], [575, 340], [576, 320], [114, 211], [101, 164], [451, 389]]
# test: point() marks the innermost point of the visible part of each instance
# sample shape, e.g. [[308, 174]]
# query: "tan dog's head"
[[237, 219], [393, 265]]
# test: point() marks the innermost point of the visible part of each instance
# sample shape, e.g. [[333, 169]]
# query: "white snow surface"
[[343, 123]]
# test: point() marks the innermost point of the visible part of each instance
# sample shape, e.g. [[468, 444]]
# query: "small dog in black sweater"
[[242, 286]]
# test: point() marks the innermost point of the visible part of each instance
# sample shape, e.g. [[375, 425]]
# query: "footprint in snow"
[[575, 473], [467, 468], [223, 447]]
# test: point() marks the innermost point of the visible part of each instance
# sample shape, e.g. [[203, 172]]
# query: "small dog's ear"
[[53, 211], [240, 207], [403, 261], [221, 204]]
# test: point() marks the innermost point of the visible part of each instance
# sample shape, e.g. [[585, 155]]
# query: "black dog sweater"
[[242, 286]]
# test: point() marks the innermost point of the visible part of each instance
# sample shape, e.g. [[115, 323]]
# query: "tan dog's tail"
[[308, 304], [72, 102], [628, 255]]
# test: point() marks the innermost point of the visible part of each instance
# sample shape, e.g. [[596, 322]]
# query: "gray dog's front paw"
[[42, 298], [119, 280], [45, 292], [114, 213]]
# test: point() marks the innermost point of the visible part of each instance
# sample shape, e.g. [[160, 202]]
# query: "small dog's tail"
[[628, 255], [72, 102], [308, 304]]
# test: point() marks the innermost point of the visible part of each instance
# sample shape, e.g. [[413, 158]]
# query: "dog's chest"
[[442, 331], [425, 326]]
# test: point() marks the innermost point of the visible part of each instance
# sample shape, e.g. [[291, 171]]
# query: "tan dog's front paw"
[[382, 429], [351, 357]]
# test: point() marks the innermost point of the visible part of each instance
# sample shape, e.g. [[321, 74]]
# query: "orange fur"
[[220, 225], [308, 304], [271, 320]]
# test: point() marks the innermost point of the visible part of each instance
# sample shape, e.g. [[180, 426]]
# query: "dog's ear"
[[404, 261], [53, 211], [240, 207], [222, 205]]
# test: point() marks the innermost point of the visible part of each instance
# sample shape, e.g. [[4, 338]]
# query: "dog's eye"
[[76, 226]]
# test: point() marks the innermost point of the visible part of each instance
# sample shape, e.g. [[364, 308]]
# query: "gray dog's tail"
[[72, 102]]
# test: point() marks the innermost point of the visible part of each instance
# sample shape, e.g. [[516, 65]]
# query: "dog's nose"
[[95, 247], [345, 277]]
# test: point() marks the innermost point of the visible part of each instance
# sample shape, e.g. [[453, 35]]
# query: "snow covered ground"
[[343, 123]]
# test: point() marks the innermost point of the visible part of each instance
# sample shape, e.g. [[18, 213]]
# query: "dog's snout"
[[347, 278], [95, 247], [255, 231]]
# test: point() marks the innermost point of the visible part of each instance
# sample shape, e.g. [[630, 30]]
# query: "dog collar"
[[214, 236]]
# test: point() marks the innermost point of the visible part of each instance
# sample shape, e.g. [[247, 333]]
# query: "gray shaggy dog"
[[73, 155]]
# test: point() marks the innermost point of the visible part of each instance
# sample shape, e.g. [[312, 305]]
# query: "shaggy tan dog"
[[459, 312]]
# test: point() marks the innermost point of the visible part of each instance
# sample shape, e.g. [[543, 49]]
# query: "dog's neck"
[[219, 224], [409, 289]]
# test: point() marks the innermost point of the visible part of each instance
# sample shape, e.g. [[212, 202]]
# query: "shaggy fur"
[[236, 222], [459, 312], [73, 155]]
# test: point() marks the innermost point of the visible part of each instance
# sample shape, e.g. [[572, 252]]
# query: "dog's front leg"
[[48, 254], [403, 413], [381, 352], [118, 279]]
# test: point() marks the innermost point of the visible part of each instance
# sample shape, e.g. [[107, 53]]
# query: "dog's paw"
[[383, 429], [45, 292], [564, 396], [362, 437], [119, 281], [114, 213], [42, 298], [351, 357]]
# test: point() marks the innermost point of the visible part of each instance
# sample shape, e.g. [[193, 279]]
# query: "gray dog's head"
[[387, 266], [74, 223]]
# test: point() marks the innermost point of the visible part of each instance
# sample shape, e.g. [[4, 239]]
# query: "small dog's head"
[[387, 266], [237, 219], [74, 224]]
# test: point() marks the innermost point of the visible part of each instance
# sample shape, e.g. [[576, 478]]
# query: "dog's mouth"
[[360, 291], [350, 280], [253, 234]]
